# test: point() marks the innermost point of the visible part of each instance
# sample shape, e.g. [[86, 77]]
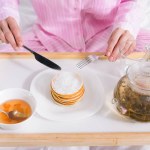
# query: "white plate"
[[91, 103]]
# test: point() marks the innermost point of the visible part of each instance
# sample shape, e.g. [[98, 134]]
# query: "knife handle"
[[29, 49]]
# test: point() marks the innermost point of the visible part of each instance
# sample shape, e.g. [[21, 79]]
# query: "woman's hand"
[[120, 42], [10, 32]]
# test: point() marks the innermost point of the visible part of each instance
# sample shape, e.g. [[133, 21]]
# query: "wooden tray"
[[71, 139], [62, 55]]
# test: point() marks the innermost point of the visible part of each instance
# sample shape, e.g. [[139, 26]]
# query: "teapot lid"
[[139, 76]]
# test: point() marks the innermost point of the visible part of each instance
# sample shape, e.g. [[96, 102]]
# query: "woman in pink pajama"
[[75, 26]]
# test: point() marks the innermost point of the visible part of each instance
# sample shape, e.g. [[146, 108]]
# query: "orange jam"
[[14, 104]]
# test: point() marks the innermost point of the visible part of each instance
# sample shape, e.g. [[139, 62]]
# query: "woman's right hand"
[[10, 32]]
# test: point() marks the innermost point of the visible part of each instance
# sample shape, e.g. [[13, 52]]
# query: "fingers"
[[10, 32], [119, 47], [2, 37], [123, 44], [131, 49], [127, 46], [15, 31], [113, 40], [119, 52]]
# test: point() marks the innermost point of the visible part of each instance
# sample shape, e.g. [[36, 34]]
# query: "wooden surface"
[[62, 55], [75, 139], [71, 139]]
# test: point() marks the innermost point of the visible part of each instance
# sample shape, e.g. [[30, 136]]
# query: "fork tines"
[[84, 62]]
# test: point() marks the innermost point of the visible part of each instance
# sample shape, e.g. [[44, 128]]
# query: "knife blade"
[[43, 60]]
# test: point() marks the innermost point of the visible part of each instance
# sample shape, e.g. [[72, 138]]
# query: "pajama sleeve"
[[9, 8], [129, 16]]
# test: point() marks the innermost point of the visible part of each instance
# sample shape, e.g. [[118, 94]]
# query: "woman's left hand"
[[120, 42]]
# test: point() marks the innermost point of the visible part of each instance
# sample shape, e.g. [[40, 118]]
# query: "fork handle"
[[94, 57]]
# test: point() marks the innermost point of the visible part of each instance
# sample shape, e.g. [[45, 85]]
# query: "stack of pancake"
[[67, 88]]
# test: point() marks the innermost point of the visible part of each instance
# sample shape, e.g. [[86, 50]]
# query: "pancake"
[[67, 88]]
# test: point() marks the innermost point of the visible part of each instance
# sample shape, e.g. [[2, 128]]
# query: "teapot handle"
[[121, 109], [147, 55]]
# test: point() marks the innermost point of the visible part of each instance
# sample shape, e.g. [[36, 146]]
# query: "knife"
[[43, 60]]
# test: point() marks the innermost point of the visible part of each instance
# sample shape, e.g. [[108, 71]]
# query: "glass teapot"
[[132, 93]]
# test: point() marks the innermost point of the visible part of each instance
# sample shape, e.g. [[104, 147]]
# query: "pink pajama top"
[[76, 25]]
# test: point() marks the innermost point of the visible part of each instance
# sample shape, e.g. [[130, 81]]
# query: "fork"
[[89, 59]]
